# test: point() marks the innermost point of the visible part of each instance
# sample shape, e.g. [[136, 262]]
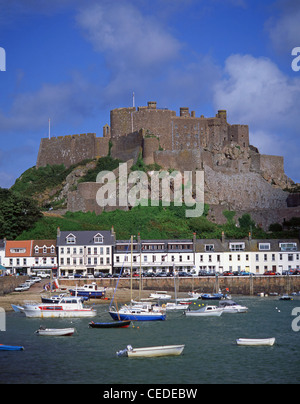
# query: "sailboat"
[[136, 312]]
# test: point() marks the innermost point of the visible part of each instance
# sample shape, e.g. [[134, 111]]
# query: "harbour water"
[[210, 355]]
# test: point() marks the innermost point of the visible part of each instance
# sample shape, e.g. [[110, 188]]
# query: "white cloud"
[[256, 92]]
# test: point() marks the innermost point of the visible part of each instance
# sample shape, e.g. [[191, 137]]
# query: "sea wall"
[[236, 285], [9, 283]]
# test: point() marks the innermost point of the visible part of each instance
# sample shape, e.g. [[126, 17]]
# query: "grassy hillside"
[[151, 223]]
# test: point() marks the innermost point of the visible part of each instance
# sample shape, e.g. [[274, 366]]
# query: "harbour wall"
[[236, 285], [9, 283]]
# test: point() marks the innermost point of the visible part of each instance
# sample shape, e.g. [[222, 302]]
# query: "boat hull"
[[57, 311], [55, 332], [255, 342], [156, 351], [137, 316], [90, 294], [203, 314], [115, 324], [11, 348]]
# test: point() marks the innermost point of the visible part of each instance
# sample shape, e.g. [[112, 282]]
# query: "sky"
[[74, 60]]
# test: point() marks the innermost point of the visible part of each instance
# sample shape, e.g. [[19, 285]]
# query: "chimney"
[[223, 237]]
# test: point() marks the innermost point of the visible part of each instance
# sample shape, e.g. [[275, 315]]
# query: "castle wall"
[[72, 149]]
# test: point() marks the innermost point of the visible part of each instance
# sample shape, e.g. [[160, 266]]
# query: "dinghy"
[[11, 348], [255, 342], [150, 352], [55, 332]]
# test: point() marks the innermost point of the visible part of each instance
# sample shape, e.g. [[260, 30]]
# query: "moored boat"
[[66, 307], [150, 352], [55, 332], [114, 324], [229, 306], [206, 311], [161, 295], [138, 313], [11, 348], [255, 341], [91, 291]]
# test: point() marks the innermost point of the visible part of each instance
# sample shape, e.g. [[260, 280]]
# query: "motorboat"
[[138, 312], [114, 324], [91, 291], [56, 298], [150, 352], [285, 297], [55, 332], [195, 295], [229, 306], [11, 348], [66, 307], [255, 342], [176, 306], [205, 311], [212, 296], [161, 295]]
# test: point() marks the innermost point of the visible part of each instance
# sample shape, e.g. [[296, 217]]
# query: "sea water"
[[210, 355]]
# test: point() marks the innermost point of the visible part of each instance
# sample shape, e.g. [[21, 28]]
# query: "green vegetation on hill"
[[151, 222]]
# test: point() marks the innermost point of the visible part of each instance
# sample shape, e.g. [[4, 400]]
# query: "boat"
[[205, 311], [229, 306], [255, 342], [91, 291], [176, 306], [285, 297], [195, 295], [150, 352], [55, 299], [212, 296], [114, 324], [161, 295], [55, 332], [11, 348], [66, 307], [145, 312]]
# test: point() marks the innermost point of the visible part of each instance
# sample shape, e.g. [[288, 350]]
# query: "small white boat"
[[176, 306], [162, 295], [55, 332], [205, 311], [195, 295], [255, 342], [150, 352], [229, 306]]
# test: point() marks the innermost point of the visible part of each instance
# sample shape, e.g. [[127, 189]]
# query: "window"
[[237, 246], [98, 239], [288, 246], [290, 257], [36, 249], [18, 250], [264, 246], [209, 247], [71, 239]]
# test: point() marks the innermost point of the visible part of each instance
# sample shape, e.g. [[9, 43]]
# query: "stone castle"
[[237, 176]]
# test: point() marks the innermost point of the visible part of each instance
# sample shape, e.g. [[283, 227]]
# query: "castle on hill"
[[183, 142], [237, 176]]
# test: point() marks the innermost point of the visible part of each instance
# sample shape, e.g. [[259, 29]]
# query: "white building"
[[84, 252]]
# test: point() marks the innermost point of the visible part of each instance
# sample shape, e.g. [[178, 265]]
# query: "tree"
[[17, 213], [246, 222]]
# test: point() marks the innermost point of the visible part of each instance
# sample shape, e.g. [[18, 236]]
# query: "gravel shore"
[[35, 292]]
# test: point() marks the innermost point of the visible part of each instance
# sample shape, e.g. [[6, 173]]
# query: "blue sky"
[[73, 61]]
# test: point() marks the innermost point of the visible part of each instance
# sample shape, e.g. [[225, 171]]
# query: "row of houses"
[[89, 253]]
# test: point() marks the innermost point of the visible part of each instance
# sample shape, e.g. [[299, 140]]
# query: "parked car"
[[227, 273], [270, 273]]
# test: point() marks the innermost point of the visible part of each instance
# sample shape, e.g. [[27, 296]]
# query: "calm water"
[[210, 354]]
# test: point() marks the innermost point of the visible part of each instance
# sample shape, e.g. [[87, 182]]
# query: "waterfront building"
[[154, 256], [85, 253]]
